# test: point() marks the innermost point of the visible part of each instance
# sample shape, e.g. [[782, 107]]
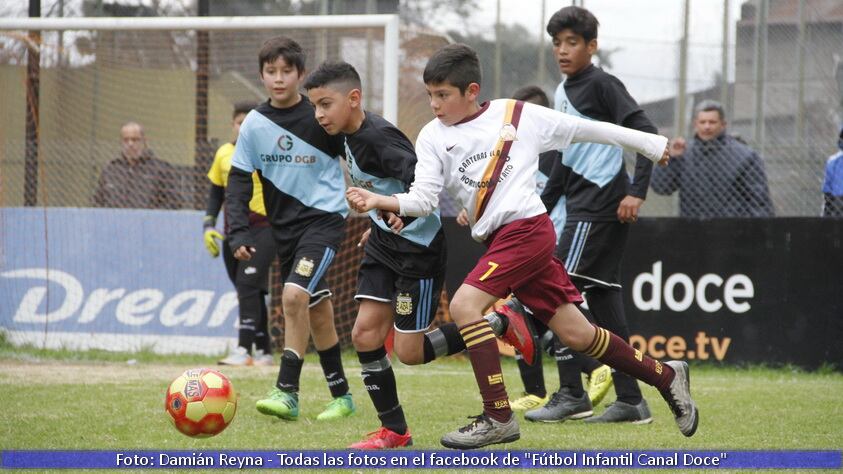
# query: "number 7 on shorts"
[[492, 267]]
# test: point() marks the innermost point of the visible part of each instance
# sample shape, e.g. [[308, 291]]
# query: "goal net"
[[80, 271]]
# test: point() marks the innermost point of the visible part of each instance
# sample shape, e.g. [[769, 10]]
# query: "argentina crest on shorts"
[[404, 304], [305, 267]]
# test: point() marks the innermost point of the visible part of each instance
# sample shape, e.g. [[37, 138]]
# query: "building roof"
[[783, 12]]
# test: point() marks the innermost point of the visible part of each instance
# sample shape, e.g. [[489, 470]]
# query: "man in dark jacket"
[[716, 175], [137, 179]]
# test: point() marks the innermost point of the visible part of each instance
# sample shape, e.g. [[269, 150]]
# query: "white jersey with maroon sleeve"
[[488, 161]]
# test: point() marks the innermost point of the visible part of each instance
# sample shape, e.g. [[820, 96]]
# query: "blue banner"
[[423, 459], [112, 279]]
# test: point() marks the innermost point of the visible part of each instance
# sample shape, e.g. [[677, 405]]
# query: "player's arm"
[[238, 193], [556, 130], [627, 113], [423, 196], [210, 235], [555, 187]]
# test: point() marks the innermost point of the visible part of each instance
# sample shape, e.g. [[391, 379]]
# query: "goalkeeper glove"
[[211, 236]]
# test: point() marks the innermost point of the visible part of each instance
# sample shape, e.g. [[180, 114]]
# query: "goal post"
[[389, 23], [135, 274]]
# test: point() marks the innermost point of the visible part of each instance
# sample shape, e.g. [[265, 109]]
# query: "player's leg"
[[532, 376], [515, 257], [598, 376], [241, 355], [330, 358], [283, 400], [597, 268], [251, 283], [374, 320], [263, 340], [671, 378], [568, 402], [630, 406], [496, 424]]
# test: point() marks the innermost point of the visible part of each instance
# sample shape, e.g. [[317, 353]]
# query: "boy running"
[[303, 191], [402, 274], [486, 156]]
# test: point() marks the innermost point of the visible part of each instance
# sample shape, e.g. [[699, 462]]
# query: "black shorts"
[[305, 260], [254, 272], [592, 252], [414, 300]]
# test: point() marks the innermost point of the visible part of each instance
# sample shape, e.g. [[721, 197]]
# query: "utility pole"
[[724, 61], [33, 82], [542, 66], [497, 88], [760, 68], [679, 120], [800, 83], [202, 151]]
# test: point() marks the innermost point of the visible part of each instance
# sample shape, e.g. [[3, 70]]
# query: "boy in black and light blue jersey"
[[601, 203], [403, 267], [303, 191]]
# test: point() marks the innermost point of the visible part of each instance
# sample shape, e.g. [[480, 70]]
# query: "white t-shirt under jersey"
[[458, 158]]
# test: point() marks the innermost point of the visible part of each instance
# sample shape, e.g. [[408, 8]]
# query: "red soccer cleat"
[[384, 438], [520, 332]]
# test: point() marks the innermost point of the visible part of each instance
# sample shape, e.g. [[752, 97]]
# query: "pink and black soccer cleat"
[[520, 332], [384, 438]]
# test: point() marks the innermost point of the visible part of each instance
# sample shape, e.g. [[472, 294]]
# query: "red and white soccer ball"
[[201, 402]]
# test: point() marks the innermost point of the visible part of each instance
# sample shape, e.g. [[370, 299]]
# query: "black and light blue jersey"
[[557, 214], [381, 159], [297, 164], [596, 179]]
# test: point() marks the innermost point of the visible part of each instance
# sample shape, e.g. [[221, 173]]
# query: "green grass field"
[[60, 400]]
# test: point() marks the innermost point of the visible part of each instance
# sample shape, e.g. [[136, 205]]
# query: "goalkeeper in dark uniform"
[[250, 278]]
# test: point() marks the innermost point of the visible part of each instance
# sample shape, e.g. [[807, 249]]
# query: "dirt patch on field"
[[57, 372]]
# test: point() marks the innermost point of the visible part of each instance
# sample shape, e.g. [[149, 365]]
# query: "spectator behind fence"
[[833, 183], [716, 175], [137, 179]]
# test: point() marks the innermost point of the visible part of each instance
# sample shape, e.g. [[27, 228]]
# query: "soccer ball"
[[201, 402]]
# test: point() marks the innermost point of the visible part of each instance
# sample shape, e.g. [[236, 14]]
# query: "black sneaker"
[[678, 396], [483, 431], [622, 412], [562, 406]]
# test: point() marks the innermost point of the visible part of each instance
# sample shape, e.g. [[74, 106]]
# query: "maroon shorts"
[[519, 260]]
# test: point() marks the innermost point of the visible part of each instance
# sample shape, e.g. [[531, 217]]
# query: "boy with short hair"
[[486, 156], [601, 204], [249, 278], [303, 190], [402, 273]]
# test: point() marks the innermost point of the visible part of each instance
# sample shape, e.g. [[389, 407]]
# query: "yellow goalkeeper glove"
[[211, 236]]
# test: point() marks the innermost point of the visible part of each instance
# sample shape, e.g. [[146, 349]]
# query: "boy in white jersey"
[[401, 274], [486, 156]]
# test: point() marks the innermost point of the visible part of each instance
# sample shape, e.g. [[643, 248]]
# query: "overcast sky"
[[646, 31]]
